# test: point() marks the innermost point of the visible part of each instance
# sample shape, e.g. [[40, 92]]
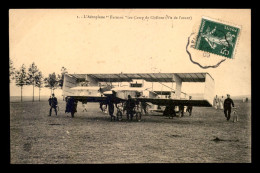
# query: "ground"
[[90, 137]]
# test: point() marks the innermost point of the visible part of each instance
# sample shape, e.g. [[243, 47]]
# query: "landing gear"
[[138, 116], [119, 115], [138, 112]]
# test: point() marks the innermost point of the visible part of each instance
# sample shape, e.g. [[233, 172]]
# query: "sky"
[[55, 38]]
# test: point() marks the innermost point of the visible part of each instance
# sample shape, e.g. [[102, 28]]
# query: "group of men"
[[53, 102], [129, 107], [130, 104]]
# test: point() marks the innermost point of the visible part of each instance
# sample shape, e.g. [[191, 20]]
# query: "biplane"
[[98, 87]]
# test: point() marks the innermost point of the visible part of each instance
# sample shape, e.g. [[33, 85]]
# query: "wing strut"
[[172, 90]]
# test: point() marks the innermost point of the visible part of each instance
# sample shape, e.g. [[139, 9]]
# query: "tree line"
[[33, 76]]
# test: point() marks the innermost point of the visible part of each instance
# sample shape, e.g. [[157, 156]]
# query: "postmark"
[[217, 37], [212, 42]]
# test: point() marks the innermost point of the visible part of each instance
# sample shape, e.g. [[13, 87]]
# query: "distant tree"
[[21, 79], [39, 82], [52, 82], [32, 73], [11, 70]]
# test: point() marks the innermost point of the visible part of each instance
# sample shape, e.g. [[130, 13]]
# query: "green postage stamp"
[[218, 38]]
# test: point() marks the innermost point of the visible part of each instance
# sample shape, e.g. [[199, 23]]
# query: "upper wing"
[[165, 102], [149, 77]]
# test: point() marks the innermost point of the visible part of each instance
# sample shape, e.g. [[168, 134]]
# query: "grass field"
[[90, 137]]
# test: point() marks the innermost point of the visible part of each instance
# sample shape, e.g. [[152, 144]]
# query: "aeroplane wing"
[[165, 102], [89, 98], [96, 99]]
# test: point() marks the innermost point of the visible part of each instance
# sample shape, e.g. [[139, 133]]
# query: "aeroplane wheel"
[[138, 116], [119, 115]]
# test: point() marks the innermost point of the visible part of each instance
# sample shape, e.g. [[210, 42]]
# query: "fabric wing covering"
[[149, 77]]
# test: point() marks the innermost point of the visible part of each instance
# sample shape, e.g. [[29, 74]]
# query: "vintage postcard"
[[109, 86]]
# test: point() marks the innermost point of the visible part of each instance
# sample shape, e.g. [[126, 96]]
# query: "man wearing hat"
[[227, 106], [53, 103]]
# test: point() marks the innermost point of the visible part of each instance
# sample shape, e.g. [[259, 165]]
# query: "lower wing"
[[165, 102], [89, 98]]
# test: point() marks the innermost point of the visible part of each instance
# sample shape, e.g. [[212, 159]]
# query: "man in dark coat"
[[70, 106], [110, 104], [189, 108], [53, 102], [49, 101], [181, 110], [130, 104], [227, 106], [67, 105]]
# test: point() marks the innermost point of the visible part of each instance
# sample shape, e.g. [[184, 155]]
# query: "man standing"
[[227, 106], [130, 104], [71, 106], [216, 102], [181, 110], [53, 102], [49, 101], [221, 102], [111, 108], [189, 108]]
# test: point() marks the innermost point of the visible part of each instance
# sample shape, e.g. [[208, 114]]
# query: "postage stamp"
[[217, 38]]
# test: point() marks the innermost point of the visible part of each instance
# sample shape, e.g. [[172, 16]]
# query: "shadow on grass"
[[145, 119]]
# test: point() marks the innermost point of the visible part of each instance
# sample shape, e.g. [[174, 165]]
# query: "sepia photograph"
[[130, 86]]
